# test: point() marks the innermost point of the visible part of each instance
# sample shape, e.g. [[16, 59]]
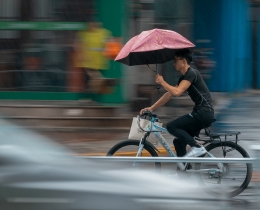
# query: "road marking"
[[162, 151]]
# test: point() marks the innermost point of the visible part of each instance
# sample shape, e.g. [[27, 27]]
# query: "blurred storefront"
[[37, 48]]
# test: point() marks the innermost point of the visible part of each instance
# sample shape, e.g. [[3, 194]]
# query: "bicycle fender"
[[218, 141], [215, 142]]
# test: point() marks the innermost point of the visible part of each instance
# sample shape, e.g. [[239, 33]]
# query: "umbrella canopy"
[[152, 47]]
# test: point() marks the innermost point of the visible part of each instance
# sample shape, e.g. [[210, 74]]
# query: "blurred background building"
[[39, 59]]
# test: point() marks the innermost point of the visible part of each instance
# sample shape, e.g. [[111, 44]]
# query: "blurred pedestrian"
[[90, 47], [185, 128]]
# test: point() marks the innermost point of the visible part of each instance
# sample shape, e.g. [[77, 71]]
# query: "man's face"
[[178, 63]]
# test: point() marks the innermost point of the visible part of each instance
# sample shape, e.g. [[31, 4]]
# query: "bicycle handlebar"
[[148, 114]]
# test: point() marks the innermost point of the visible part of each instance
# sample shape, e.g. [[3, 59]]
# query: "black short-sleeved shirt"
[[198, 91]]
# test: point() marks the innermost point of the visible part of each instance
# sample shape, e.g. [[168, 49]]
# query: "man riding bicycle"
[[202, 116]]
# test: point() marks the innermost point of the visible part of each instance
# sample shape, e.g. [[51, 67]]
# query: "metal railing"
[[173, 159]]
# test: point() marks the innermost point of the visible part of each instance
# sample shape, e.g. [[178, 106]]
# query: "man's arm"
[[163, 100], [177, 91]]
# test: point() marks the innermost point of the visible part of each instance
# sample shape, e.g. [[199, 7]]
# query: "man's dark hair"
[[184, 54]]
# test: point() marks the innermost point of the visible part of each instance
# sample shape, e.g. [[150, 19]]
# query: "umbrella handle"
[[158, 86]]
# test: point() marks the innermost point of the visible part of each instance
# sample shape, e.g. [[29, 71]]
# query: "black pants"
[[188, 126]]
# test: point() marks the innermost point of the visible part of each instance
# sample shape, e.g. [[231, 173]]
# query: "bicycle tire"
[[126, 143], [248, 167]]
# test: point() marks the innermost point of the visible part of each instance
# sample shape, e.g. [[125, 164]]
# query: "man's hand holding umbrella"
[[174, 91], [159, 79]]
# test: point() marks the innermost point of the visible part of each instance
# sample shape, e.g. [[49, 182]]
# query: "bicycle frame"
[[163, 142], [156, 130]]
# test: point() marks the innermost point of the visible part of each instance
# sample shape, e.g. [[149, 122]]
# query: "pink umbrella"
[[152, 47]]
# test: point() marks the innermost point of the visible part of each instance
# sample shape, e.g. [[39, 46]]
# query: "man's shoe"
[[196, 152]]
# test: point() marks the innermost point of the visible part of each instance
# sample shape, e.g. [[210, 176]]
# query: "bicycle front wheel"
[[236, 176], [130, 148]]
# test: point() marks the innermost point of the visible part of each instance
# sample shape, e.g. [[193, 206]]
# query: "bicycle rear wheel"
[[236, 177], [130, 148]]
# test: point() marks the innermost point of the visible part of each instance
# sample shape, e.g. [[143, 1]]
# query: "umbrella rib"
[[150, 68]]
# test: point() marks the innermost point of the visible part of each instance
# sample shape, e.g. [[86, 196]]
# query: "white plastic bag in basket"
[[136, 133]]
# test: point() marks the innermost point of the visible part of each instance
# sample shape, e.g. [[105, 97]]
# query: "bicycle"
[[217, 173]]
